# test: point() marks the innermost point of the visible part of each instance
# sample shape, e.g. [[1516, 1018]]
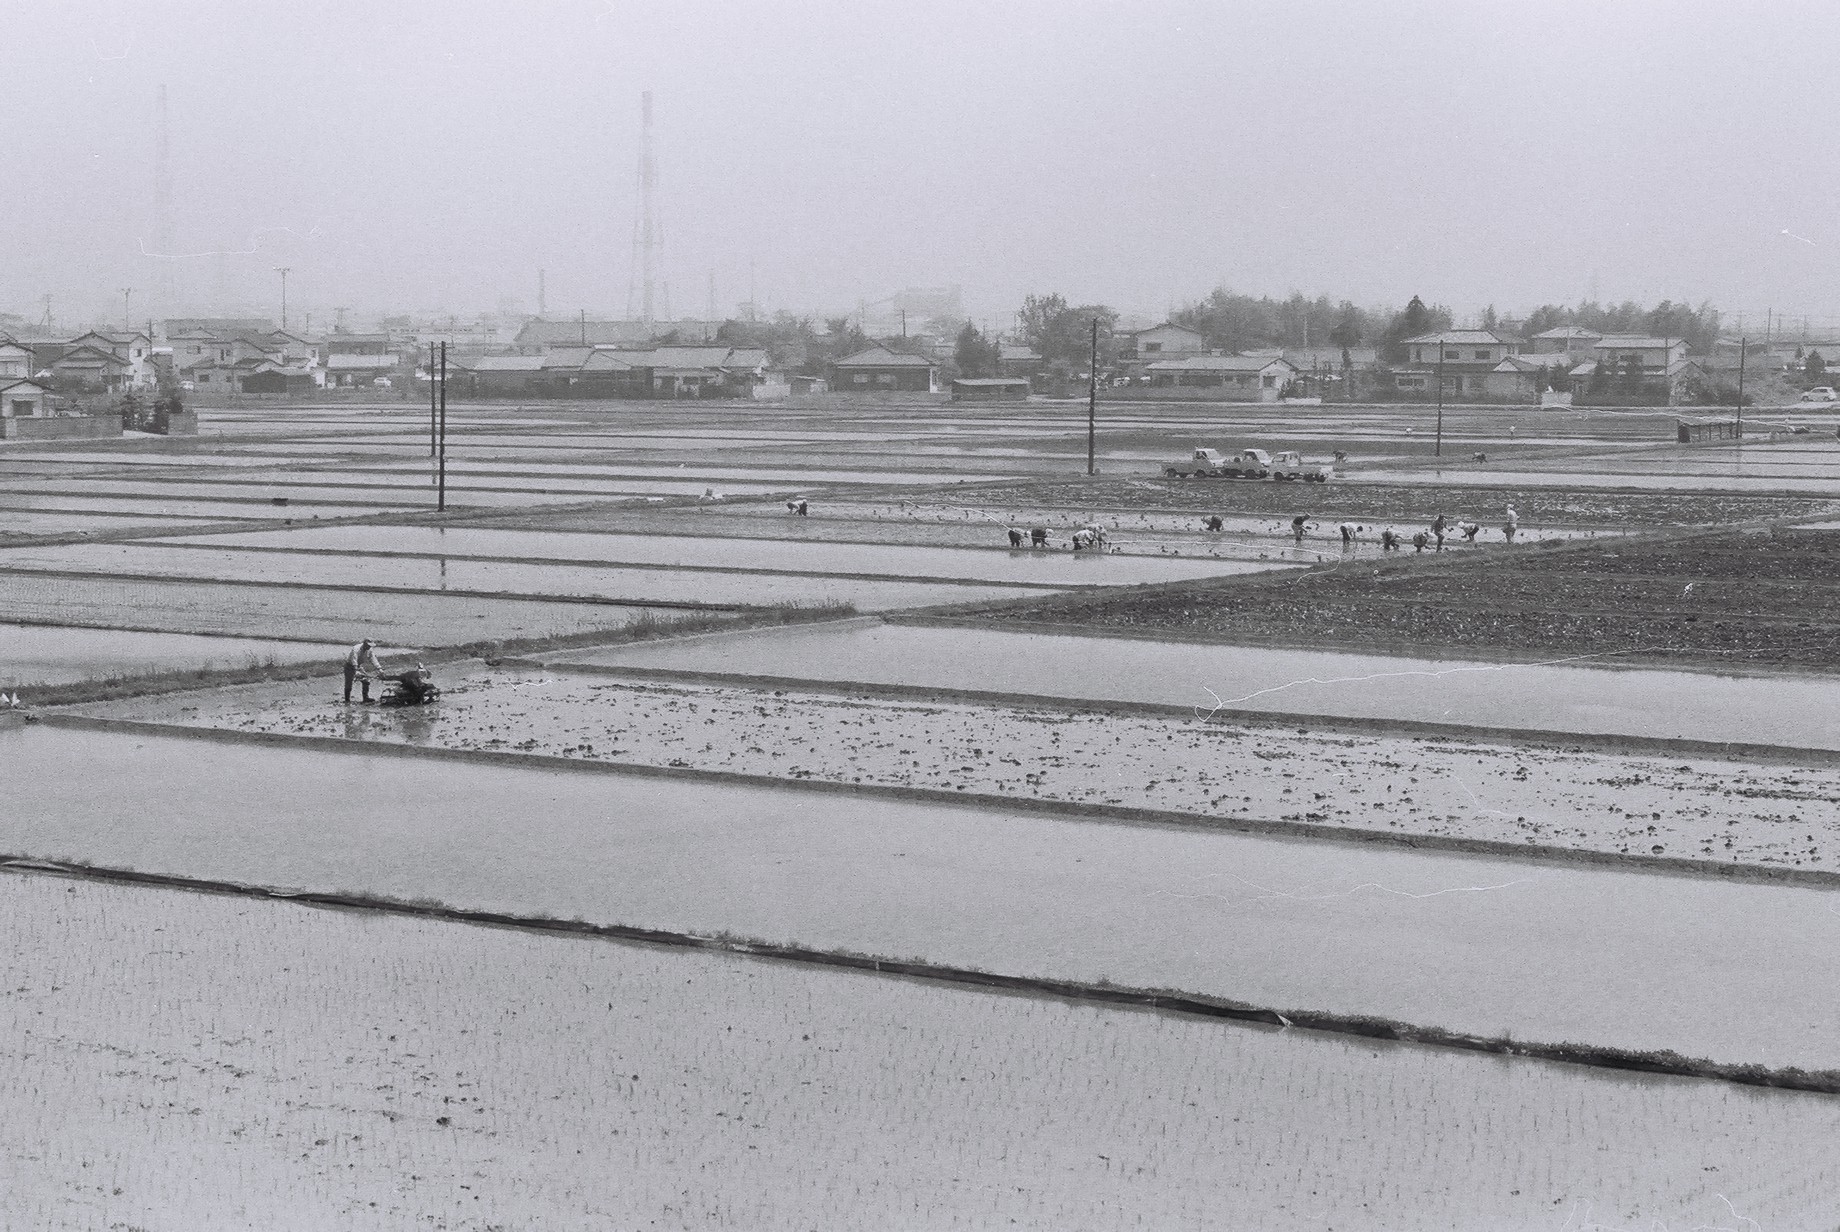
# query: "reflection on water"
[[1562, 696], [44, 654], [1470, 943], [971, 562]]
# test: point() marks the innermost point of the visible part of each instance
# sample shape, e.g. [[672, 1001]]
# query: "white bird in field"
[[1687, 591]]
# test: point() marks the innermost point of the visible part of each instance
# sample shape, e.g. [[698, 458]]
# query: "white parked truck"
[[1246, 464], [1290, 465]]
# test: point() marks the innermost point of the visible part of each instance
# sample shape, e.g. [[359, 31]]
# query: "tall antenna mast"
[[165, 287], [648, 217], [542, 298]]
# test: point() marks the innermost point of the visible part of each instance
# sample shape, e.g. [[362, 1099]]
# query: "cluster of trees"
[[1234, 322], [796, 343], [1060, 331], [139, 416], [1699, 326]]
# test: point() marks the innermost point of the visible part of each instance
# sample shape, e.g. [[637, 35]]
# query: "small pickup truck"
[[1290, 465], [1246, 464]]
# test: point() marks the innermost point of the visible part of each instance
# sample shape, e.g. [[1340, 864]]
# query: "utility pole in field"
[[440, 503], [1437, 447], [1092, 399], [283, 271], [1743, 351], [433, 405]]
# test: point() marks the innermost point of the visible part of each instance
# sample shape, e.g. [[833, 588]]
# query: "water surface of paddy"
[[980, 564], [1559, 697], [608, 583], [46, 654], [1482, 945]]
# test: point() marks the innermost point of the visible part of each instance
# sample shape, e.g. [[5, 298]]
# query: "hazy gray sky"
[[424, 155]]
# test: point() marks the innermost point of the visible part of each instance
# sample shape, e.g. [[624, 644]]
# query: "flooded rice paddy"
[[46, 655], [339, 1081], [1557, 697], [985, 564], [294, 613], [1716, 811], [610, 583], [1476, 945]]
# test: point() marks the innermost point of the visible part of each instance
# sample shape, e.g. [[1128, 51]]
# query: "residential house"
[[1016, 359], [133, 348], [1477, 363], [488, 375], [90, 368], [355, 361], [1467, 347], [15, 360], [24, 398], [1141, 347], [1574, 341], [882, 370], [1254, 378], [1656, 355]]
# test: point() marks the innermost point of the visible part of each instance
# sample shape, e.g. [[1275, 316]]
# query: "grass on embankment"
[[648, 627]]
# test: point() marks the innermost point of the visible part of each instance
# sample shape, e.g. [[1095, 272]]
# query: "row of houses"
[[679, 371], [226, 357], [1476, 363]]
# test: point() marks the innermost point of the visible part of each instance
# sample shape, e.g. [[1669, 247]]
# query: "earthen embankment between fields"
[[1281, 829], [1160, 1000], [1610, 743]]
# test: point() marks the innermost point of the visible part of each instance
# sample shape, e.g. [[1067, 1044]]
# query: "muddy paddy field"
[[1761, 598], [1100, 769]]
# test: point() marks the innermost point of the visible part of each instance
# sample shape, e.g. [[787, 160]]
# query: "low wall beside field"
[[64, 428]]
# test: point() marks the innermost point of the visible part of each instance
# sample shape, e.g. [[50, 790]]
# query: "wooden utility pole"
[[434, 390], [283, 270], [1743, 351], [441, 464], [1437, 446], [1092, 400]]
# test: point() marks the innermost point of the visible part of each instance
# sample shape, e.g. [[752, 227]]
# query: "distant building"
[[1253, 378], [24, 398], [1331, 358], [134, 349], [226, 359], [1140, 348], [356, 360], [1573, 340], [1014, 359], [1461, 346], [499, 374], [91, 369], [880, 369], [15, 361], [620, 372], [538, 336], [1656, 355], [1478, 363], [173, 326]]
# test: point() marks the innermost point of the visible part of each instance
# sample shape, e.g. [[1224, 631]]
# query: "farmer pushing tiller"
[[414, 687]]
